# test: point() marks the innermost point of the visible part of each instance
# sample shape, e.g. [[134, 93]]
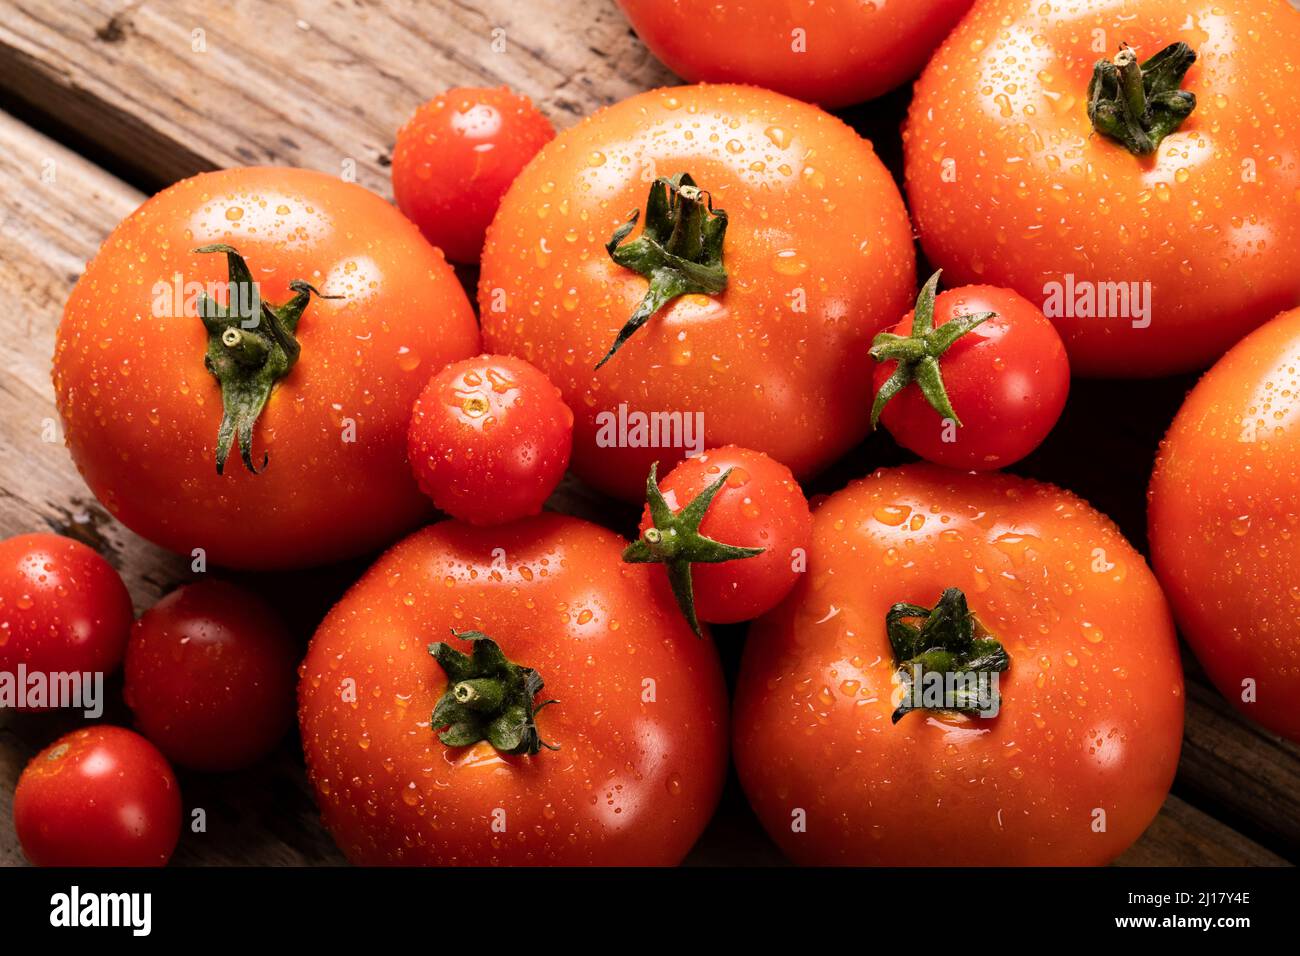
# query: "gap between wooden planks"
[[323, 86]]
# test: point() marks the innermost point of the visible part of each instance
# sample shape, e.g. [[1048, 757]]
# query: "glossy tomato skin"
[[63, 608], [833, 52], [1222, 523], [819, 258], [1007, 379], [1092, 705], [760, 506], [490, 439], [641, 718], [210, 676], [100, 796], [1010, 186], [456, 156], [141, 412]]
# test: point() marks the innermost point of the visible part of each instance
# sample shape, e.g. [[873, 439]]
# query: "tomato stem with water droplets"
[[679, 250], [488, 697], [251, 346], [949, 641], [918, 354], [675, 541], [1140, 104]]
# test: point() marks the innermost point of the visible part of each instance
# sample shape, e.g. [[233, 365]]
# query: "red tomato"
[[210, 676], [1003, 382], [1153, 251], [639, 722], [741, 555], [1054, 603], [1225, 528], [145, 416], [833, 52], [101, 796], [490, 439], [63, 609], [455, 158], [793, 224]]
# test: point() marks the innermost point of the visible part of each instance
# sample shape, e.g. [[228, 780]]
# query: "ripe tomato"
[[731, 529], [490, 439], [1148, 262], [983, 384], [1084, 744], [100, 796], [1224, 525], [210, 676], [640, 721], [63, 609], [455, 158], [142, 411], [833, 52], [784, 213]]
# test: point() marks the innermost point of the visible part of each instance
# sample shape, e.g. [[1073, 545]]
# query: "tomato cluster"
[[700, 298]]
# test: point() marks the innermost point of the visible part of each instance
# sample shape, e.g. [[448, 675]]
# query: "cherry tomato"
[[741, 555], [833, 52], [1003, 379], [1224, 528], [63, 609], [165, 364], [490, 439], [1153, 237], [781, 210], [210, 676], [455, 158], [100, 796], [639, 717], [1065, 760]]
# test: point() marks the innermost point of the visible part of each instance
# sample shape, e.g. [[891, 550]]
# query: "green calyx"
[[674, 540], [918, 354], [1141, 104], [949, 642], [489, 697], [251, 346], [679, 250]]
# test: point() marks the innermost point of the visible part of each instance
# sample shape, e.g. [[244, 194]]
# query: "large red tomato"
[[538, 610], [1029, 584], [1154, 234], [778, 244], [1224, 521], [338, 371], [832, 52]]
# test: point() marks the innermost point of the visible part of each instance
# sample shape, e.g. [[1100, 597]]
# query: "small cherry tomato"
[[211, 674], [455, 158], [490, 439], [62, 607], [974, 378], [731, 527], [100, 796]]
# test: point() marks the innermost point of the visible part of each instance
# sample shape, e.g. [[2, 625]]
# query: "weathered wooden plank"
[[1239, 772], [1182, 835], [55, 211], [177, 87]]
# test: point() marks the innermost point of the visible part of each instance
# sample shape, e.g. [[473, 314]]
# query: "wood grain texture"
[[301, 84], [321, 84]]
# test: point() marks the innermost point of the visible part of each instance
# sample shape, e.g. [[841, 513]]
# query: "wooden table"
[[103, 102]]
